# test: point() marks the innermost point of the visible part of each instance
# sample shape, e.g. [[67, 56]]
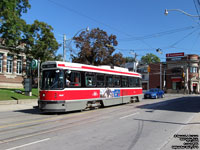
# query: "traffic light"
[[148, 69], [183, 75]]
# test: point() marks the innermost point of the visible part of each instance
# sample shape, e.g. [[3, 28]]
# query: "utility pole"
[[64, 47], [160, 75], [134, 61], [39, 77]]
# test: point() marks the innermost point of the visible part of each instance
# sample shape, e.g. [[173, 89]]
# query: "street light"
[[167, 12], [64, 42]]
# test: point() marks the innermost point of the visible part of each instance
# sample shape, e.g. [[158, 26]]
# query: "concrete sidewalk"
[[187, 137], [12, 105]]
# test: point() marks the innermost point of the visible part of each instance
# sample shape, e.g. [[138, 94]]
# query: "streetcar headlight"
[[43, 95]]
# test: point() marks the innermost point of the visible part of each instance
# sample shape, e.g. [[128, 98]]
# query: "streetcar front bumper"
[[51, 106]]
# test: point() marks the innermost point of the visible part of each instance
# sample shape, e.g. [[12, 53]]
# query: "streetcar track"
[[19, 114], [57, 117], [43, 122], [50, 130], [61, 119]]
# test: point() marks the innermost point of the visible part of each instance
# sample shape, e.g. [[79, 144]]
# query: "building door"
[[194, 88]]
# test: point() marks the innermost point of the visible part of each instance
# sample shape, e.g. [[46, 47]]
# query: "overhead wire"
[[95, 20], [159, 34], [183, 38], [130, 37], [196, 6]]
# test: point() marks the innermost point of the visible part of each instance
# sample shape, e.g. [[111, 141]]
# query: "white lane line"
[[28, 144], [129, 115]]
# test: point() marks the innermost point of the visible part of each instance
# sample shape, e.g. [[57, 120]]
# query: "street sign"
[[34, 64]]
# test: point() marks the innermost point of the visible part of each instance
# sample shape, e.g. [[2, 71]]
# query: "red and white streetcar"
[[72, 86]]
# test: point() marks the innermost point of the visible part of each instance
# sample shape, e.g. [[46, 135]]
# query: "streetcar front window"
[[52, 79]]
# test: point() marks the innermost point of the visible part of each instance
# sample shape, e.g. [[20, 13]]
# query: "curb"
[[21, 101]]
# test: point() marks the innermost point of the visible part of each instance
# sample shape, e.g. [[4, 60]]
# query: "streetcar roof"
[[48, 65]]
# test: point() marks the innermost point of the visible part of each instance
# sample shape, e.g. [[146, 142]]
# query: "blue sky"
[[139, 25]]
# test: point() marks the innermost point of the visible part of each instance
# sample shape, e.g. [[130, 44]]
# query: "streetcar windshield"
[[52, 79]]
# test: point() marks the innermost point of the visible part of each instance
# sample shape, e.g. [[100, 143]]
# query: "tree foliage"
[[129, 59], [38, 37], [150, 58], [97, 48], [11, 24], [40, 41]]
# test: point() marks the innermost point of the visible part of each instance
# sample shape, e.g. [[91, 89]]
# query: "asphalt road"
[[149, 124]]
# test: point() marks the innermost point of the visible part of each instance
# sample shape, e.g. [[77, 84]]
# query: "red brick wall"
[[154, 75]]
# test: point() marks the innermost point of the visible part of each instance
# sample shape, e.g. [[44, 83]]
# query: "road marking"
[[28, 144], [129, 115]]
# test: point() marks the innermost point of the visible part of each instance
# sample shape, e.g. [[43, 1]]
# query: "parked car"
[[154, 93]]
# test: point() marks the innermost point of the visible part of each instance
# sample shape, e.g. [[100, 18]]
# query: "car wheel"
[[163, 96]]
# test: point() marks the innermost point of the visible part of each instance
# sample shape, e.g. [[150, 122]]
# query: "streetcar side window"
[[100, 80], [131, 82], [109, 81], [138, 82], [72, 79], [90, 79], [117, 82], [124, 82]]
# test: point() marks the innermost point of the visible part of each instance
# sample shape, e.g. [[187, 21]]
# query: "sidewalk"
[[12, 105], [187, 137]]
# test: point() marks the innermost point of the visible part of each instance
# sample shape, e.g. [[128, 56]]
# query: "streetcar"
[[69, 86]]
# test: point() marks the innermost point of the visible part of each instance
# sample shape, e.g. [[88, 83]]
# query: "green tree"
[[97, 48], [11, 24], [40, 41], [150, 58], [129, 59], [38, 37]]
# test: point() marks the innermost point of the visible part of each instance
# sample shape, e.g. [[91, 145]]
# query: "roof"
[[89, 68]]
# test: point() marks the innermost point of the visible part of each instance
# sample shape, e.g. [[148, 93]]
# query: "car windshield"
[[52, 79], [153, 90]]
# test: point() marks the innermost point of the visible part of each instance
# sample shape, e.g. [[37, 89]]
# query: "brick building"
[[179, 74], [12, 68], [182, 74], [157, 75]]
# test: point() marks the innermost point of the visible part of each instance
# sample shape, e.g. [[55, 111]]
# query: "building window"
[[143, 77], [9, 64], [1, 62], [19, 65], [193, 69]]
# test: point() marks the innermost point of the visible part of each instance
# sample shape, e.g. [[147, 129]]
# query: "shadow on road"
[[29, 111], [36, 111], [166, 122], [184, 104]]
